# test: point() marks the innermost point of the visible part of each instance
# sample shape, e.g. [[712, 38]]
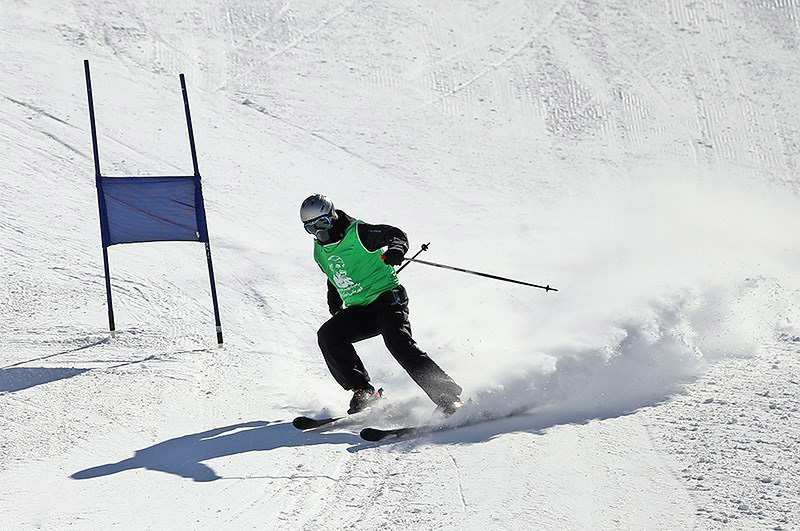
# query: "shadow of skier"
[[184, 456]]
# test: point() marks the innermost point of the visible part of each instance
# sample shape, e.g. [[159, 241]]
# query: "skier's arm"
[[334, 300], [376, 236]]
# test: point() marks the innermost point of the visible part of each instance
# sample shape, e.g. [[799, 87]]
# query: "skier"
[[365, 299]]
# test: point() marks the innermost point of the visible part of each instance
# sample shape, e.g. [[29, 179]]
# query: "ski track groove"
[[343, 8], [280, 14], [349, 152], [38, 111], [346, 490], [460, 484], [508, 57]]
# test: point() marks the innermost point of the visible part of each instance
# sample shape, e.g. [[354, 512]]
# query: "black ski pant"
[[387, 316]]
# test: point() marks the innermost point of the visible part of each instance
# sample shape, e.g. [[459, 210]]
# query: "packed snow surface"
[[641, 157]]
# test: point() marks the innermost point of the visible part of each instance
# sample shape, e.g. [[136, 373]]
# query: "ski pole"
[[424, 248], [487, 275]]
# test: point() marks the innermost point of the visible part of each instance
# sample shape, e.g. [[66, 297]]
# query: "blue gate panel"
[[150, 209]]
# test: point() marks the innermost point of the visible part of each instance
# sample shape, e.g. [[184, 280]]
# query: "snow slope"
[[641, 157]]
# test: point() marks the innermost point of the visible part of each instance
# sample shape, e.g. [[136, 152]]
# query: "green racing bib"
[[359, 275]]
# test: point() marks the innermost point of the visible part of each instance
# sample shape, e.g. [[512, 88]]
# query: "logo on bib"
[[341, 279]]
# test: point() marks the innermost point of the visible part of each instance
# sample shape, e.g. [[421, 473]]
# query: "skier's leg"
[[391, 310], [336, 337]]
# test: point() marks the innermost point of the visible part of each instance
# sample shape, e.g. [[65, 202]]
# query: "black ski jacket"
[[373, 237]]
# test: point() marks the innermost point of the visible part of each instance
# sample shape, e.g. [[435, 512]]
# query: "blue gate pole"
[[100, 200], [207, 242]]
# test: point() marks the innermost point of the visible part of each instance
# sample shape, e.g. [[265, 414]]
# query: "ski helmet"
[[315, 206], [318, 216]]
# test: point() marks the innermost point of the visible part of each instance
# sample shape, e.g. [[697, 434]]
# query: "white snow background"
[[640, 157]]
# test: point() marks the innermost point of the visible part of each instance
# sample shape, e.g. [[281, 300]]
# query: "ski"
[[308, 423], [375, 435]]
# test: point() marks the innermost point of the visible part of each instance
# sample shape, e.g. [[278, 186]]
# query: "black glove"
[[393, 256]]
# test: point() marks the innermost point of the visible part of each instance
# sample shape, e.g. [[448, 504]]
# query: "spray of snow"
[[656, 279]]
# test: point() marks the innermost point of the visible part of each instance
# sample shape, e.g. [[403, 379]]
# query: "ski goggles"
[[321, 223]]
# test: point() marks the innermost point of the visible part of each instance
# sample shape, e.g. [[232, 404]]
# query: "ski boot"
[[447, 405], [363, 398]]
